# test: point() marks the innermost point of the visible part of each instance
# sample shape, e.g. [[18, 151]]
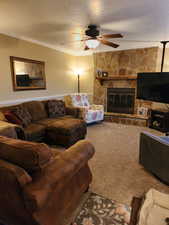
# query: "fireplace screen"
[[120, 100]]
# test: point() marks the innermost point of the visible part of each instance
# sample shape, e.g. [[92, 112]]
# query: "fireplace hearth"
[[120, 100]]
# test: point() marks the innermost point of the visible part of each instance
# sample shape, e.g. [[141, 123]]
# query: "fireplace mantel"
[[116, 77]]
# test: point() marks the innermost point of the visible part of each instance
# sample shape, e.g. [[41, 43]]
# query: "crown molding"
[[54, 47], [73, 52]]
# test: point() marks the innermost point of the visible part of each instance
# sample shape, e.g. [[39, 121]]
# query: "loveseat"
[[40, 185], [48, 121]]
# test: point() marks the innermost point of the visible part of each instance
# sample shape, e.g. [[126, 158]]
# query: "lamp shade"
[[78, 71], [92, 43]]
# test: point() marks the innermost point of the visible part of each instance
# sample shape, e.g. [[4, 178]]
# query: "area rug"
[[98, 210]]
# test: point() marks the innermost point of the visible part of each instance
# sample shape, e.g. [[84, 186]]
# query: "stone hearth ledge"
[[128, 119]]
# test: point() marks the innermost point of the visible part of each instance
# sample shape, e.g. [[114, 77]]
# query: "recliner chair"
[[40, 185]]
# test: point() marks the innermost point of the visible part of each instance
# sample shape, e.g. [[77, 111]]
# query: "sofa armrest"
[[161, 139], [10, 129], [78, 155], [57, 174], [97, 107], [73, 111], [135, 209], [12, 181], [156, 143], [21, 175]]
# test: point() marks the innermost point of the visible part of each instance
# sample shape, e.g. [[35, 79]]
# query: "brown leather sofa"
[[56, 125], [40, 185]]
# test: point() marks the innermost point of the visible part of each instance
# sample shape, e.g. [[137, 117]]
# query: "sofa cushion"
[[67, 126], [56, 108], [23, 115], [29, 155], [22, 176], [49, 121], [34, 132], [36, 109], [12, 118]]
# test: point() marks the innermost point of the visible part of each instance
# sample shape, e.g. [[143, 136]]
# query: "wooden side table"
[[135, 205]]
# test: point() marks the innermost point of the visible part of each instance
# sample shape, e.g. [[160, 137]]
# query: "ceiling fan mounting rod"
[[164, 47]]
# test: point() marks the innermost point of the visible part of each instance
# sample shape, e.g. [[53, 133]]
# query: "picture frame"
[[27, 74], [104, 74], [142, 111]]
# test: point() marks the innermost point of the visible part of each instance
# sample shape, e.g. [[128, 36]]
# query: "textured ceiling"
[[55, 22]]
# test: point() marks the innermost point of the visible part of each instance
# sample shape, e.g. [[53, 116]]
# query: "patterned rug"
[[98, 210]]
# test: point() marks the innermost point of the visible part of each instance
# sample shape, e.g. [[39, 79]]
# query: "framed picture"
[[27, 74], [142, 111], [104, 74]]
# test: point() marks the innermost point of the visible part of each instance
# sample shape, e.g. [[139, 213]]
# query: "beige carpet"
[[116, 171]]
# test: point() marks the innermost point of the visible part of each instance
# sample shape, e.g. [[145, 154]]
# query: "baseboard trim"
[[18, 101]]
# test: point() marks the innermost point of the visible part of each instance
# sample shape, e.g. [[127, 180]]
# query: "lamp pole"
[[78, 80], [163, 54]]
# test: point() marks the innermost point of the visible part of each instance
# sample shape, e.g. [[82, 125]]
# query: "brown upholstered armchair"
[[40, 185]]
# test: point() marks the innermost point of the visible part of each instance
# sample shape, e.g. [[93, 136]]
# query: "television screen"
[[153, 87]]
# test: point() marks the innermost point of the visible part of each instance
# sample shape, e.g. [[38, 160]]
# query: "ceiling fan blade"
[[112, 36], [111, 44], [86, 48]]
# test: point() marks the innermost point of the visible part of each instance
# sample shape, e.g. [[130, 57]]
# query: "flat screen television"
[[153, 87]]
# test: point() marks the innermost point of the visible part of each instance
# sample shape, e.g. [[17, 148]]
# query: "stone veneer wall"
[[122, 63]]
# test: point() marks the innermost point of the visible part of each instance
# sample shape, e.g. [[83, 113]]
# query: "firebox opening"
[[121, 100]]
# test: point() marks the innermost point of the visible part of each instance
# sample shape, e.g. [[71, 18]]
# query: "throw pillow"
[[56, 108], [36, 109], [23, 115], [12, 118]]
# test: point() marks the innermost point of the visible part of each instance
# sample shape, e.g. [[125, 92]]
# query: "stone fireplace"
[[122, 67], [120, 100]]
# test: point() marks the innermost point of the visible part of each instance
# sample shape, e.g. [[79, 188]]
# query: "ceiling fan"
[[94, 38]]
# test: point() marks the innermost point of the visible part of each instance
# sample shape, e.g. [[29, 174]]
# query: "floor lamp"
[[78, 72], [78, 83]]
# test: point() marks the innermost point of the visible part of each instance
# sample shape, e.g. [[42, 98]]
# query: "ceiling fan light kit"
[[92, 43]]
